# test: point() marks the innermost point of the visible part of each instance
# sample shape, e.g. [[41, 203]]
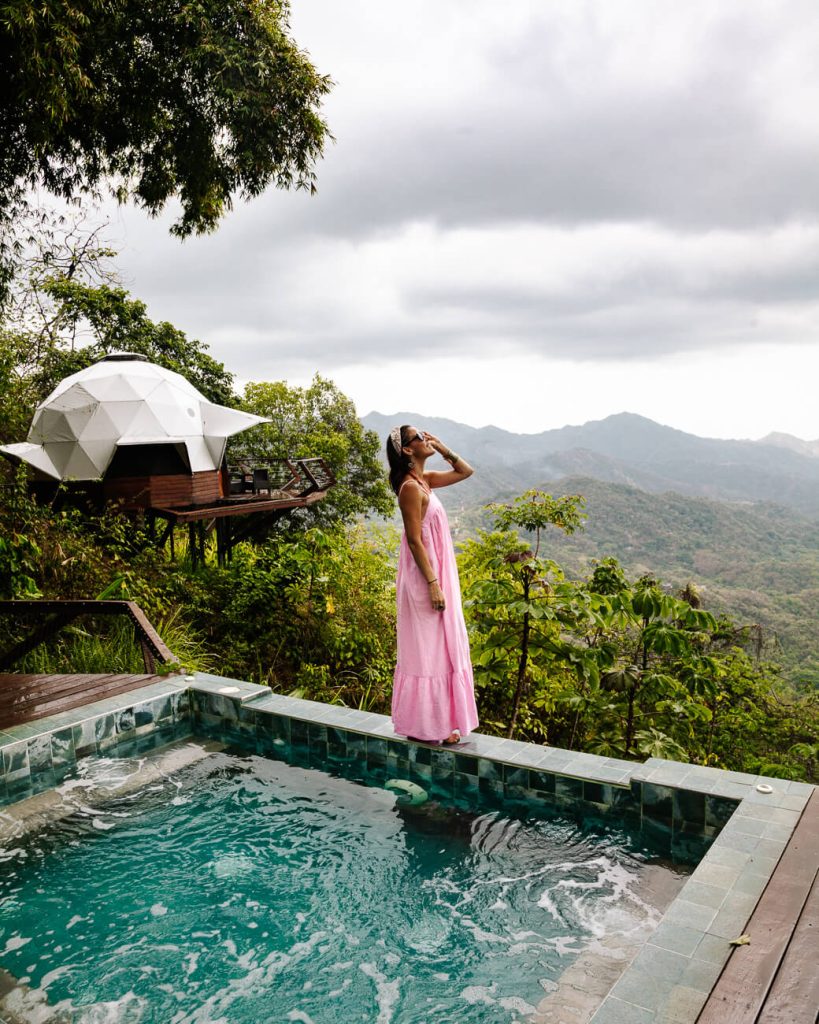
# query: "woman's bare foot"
[[453, 738]]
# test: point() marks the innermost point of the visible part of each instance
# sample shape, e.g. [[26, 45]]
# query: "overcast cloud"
[[575, 192]]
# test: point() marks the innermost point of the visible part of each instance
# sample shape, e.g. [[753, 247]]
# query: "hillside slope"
[[759, 564]]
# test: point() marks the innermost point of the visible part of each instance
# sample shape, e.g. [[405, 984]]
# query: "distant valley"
[[740, 519]]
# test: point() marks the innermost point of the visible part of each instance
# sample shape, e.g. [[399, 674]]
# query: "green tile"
[[15, 761], [722, 876], [733, 916], [676, 938], [618, 1011], [780, 832], [683, 1005], [658, 802], [660, 962], [794, 802], [750, 883], [27, 731], [705, 895], [713, 948], [39, 754], [690, 915], [745, 825], [6, 738], [771, 848], [738, 841], [645, 988], [732, 790], [701, 975], [615, 776], [726, 857], [799, 789], [761, 864], [553, 760]]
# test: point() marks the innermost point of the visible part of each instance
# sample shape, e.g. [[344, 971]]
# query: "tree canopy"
[[198, 101], [319, 421]]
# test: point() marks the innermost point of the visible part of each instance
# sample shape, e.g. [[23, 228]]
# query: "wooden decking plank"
[[67, 702], [36, 686], [11, 681], [84, 690], [794, 995], [48, 686], [744, 985]]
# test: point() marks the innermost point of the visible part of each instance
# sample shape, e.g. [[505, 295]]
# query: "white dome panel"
[[75, 431], [80, 467], [60, 452], [100, 427], [99, 453], [199, 455], [122, 415]]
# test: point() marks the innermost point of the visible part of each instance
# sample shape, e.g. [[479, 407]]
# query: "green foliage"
[[110, 321], [622, 667], [318, 421], [201, 102], [517, 596], [312, 610], [534, 510], [754, 563], [107, 644], [18, 557]]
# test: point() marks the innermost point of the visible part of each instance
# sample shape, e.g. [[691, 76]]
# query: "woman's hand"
[[436, 442], [436, 596], [443, 450]]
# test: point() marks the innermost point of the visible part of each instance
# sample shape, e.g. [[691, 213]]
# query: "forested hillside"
[[754, 559], [759, 564]]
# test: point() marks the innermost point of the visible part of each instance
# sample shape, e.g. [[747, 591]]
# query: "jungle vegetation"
[[601, 660]]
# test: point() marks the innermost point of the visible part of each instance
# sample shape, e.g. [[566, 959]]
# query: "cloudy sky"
[[535, 213]]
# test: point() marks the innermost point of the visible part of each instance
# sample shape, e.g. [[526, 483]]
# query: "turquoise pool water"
[[246, 890]]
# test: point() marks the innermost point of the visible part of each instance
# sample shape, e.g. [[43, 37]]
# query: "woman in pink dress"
[[433, 697]]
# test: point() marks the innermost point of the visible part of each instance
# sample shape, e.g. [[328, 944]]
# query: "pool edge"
[[671, 976]]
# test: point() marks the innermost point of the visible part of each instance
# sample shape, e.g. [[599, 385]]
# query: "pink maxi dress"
[[433, 691]]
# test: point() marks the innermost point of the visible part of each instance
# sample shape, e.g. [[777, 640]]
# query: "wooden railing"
[[52, 616]]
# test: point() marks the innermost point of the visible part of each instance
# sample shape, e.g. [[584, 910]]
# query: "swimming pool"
[[679, 810], [241, 888]]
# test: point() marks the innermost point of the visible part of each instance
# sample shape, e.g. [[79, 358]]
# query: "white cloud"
[[599, 191]]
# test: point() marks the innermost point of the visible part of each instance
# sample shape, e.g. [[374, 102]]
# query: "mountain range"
[[739, 519], [635, 451]]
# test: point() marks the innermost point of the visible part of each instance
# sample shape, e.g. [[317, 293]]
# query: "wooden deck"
[[25, 698], [775, 979]]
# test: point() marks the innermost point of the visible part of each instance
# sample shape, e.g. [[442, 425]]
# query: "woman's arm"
[[460, 467], [411, 503]]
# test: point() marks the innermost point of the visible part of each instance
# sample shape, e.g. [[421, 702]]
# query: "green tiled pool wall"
[[39, 755], [679, 807], [675, 822]]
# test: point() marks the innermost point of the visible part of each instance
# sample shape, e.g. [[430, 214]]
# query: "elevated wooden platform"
[[775, 979], [25, 698]]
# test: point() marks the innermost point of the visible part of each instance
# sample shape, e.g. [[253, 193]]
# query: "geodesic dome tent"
[[121, 402]]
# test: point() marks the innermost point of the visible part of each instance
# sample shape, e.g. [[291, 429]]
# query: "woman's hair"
[[399, 462]]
